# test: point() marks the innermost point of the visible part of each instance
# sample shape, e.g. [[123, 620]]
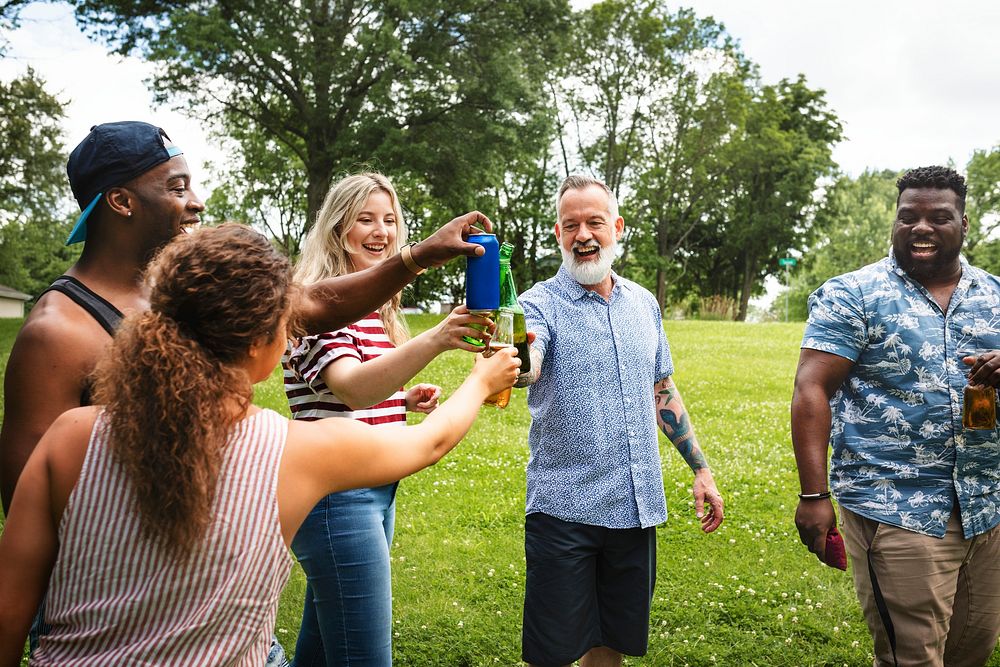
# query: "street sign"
[[787, 261]]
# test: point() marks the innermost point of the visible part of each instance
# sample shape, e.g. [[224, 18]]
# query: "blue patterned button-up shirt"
[[594, 450], [900, 453]]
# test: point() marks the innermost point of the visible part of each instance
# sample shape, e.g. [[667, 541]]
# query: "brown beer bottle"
[[980, 407], [979, 402]]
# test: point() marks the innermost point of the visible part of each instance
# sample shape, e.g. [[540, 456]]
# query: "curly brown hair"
[[172, 382]]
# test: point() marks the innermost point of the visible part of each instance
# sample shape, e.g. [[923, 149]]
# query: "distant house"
[[12, 302]]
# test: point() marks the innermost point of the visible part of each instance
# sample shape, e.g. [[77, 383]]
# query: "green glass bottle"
[[508, 302]]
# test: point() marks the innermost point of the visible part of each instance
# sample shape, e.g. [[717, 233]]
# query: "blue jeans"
[[343, 547]]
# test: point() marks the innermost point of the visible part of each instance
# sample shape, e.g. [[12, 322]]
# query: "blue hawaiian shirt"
[[595, 455], [900, 453]]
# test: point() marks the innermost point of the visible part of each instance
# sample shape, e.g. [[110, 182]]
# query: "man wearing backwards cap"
[[134, 190]]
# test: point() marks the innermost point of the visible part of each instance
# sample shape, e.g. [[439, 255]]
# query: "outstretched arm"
[[336, 302], [672, 418], [330, 455], [362, 384]]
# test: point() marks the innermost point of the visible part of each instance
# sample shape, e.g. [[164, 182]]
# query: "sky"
[[914, 82]]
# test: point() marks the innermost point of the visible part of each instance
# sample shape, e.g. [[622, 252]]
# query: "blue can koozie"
[[482, 275]]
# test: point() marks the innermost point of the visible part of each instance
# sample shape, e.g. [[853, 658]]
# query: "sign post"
[[787, 262]]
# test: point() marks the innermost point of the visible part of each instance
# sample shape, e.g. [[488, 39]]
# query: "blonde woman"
[[357, 372], [157, 526]]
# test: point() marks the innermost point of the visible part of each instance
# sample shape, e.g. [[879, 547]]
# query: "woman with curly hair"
[[357, 372], [160, 522]]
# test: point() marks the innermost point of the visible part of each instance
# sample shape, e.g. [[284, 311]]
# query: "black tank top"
[[99, 308]]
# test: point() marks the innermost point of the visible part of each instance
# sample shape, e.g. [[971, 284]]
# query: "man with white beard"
[[600, 386]]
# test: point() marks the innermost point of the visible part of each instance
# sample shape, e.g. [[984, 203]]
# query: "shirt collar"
[[578, 291], [968, 272]]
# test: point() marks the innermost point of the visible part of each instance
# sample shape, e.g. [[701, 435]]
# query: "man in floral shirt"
[[887, 352]]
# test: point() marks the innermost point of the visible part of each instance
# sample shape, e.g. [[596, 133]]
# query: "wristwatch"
[[406, 253]]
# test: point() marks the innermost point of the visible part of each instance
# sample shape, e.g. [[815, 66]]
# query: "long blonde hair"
[[325, 253]]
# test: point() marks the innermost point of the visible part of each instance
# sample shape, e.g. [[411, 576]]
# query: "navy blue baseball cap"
[[112, 155]]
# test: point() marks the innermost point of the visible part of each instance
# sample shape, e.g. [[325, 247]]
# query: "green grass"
[[749, 594]]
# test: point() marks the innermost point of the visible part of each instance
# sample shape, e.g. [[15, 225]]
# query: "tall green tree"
[[778, 163], [35, 202], [438, 88], [651, 98], [679, 190]]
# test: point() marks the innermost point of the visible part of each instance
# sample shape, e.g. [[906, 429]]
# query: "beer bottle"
[[508, 302]]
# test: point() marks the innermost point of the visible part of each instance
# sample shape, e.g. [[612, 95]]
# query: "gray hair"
[[579, 182]]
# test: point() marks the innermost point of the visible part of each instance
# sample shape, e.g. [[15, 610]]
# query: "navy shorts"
[[585, 586]]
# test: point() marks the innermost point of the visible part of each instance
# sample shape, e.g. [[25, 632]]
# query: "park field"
[[748, 594]]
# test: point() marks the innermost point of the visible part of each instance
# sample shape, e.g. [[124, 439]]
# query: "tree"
[[785, 150], [652, 102], [678, 192], [34, 195], [852, 228], [263, 184], [983, 208], [436, 88]]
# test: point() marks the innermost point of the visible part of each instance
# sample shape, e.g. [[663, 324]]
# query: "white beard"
[[589, 272]]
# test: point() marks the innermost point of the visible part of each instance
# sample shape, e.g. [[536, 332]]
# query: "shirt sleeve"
[[837, 321], [532, 302], [314, 353], [664, 362]]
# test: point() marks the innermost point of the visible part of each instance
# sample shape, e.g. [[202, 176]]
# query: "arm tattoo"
[[675, 424]]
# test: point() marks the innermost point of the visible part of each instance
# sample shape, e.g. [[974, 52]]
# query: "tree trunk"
[[749, 269], [662, 251], [661, 288], [319, 183]]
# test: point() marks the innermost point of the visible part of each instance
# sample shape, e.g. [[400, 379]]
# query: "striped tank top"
[[114, 598], [308, 396]]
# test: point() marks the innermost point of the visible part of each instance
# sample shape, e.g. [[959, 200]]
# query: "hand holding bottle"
[[454, 331], [498, 371]]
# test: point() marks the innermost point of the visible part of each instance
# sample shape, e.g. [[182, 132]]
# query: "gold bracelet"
[[407, 254]]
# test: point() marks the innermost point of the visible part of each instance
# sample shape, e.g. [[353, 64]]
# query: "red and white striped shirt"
[[116, 598], [308, 396]]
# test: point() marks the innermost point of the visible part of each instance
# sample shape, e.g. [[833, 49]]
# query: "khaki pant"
[[942, 596]]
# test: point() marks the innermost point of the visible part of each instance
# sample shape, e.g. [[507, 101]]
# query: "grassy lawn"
[[749, 594]]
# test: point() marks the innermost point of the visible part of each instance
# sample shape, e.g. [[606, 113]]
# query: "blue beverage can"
[[482, 275]]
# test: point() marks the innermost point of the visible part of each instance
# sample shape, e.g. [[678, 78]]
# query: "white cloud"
[[915, 82]]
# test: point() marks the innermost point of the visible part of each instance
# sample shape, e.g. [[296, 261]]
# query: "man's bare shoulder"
[[54, 353], [60, 330]]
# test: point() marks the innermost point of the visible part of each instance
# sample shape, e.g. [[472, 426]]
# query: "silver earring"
[[129, 214]]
